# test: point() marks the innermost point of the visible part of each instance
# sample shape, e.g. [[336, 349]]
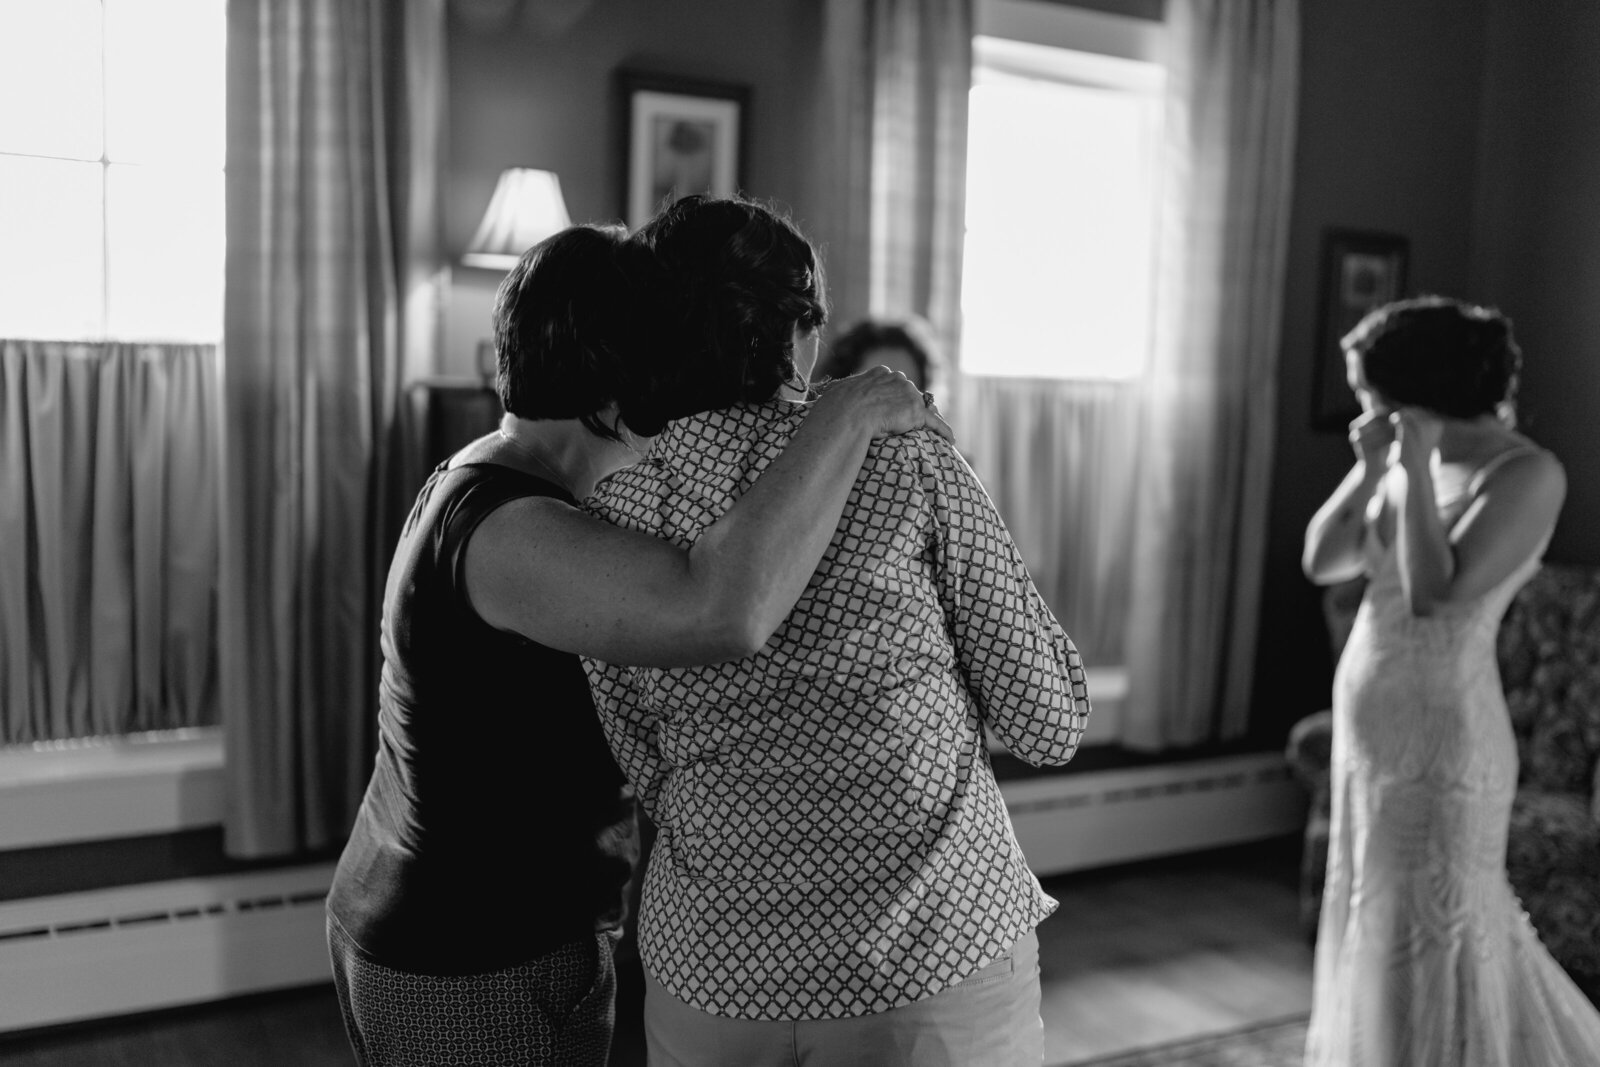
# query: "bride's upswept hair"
[[1455, 358]]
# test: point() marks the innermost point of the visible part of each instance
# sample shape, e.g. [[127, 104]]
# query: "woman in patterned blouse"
[[835, 878]]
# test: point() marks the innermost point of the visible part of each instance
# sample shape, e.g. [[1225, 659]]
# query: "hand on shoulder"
[[884, 402]]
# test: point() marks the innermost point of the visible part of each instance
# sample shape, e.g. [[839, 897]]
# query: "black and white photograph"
[[744, 533], [683, 137]]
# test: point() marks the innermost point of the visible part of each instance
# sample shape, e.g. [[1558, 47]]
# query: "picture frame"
[[1361, 270], [679, 136]]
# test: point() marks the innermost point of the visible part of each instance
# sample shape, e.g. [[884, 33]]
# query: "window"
[[1062, 163], [111, 181]]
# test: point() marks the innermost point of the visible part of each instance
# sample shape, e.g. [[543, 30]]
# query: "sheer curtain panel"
[[334, 131], [108, 538], [1060, 460], [1207, 428], [892, 158]]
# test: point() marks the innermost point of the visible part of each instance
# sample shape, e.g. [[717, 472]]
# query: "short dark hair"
[[1451, 357], [556, 350], [731, 280], [848, 353]]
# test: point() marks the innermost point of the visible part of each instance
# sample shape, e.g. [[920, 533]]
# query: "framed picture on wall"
[[680, 136], [1361, 270]]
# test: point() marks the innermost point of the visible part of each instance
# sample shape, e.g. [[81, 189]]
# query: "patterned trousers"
[[555, 1009]]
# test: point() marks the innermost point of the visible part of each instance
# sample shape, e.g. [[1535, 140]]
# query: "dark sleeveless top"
[[496, 826]]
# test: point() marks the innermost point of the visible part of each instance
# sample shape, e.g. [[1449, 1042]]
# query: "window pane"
[[165, 81], [50, 78], [166, 241], [50, 227], [1060, 223]]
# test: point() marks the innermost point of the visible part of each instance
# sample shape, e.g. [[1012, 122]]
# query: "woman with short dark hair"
[[905, 345], [835, 878], [1424, 956], [474, 910]]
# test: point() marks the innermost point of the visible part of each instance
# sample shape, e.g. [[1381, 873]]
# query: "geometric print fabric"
[[831, 840], [559, 1008]]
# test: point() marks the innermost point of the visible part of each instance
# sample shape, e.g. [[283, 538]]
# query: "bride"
[[1424, 956]]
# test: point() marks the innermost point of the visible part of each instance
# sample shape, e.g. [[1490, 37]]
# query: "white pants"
[[991, 1019]]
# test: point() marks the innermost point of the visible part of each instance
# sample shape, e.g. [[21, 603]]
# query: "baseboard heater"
[[1068, 821], [161, 945], [158, 945]]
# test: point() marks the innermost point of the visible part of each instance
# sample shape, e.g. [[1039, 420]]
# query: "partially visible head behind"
[[733, 282], [873, 341], [1453, 358], [554, 319]]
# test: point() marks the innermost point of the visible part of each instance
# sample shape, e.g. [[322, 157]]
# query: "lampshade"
[[525, 209]]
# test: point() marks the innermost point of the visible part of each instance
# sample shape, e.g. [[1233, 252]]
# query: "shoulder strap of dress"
[[1494, 464]]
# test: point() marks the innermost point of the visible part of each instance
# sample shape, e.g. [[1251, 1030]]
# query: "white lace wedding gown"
[[1424, 955]]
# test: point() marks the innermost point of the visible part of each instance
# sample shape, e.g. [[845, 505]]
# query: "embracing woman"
[[474, 910]]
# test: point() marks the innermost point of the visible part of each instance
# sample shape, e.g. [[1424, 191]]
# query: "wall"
[[540, 94], [1388, 140], [1536, 251]]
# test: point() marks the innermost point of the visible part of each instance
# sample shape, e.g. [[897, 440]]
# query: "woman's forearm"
[[1335, 533], [758, 557], [1426, 560]]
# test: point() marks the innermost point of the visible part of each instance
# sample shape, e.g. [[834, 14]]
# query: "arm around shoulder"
[[541, 568], [544, 569]]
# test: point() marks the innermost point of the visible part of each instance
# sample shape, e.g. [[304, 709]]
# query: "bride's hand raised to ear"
[[885, 401], [1418, 431], [1371, 435]]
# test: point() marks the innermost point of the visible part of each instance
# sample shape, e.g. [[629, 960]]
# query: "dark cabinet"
[[442, 415]]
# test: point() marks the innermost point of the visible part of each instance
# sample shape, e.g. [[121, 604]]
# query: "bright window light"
[[111, 180], [53, 266], [1061, 193], [157, 53], [50, 78], [165, 276]]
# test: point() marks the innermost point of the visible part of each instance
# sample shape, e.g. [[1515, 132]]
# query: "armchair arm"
[[1310, 749]]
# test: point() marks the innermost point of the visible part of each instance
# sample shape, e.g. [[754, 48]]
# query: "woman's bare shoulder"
[[1527, 475], [1523, 458]]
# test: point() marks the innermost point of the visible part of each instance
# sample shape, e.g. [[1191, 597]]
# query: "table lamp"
[[525, 209]]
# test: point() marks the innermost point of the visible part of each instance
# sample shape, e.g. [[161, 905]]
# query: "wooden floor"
[[1135, 956], [1153, 953]]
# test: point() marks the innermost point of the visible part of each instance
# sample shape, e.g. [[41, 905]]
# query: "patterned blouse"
[[831, 841]]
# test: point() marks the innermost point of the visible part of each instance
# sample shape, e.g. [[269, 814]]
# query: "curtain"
[[1059, 460], [333, 139], [108, 538], [1207, 426], [1057, 457], [892, 159]]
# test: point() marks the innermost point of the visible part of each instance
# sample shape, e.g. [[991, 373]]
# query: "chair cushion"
[[1309, 751], [1552, 834]]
